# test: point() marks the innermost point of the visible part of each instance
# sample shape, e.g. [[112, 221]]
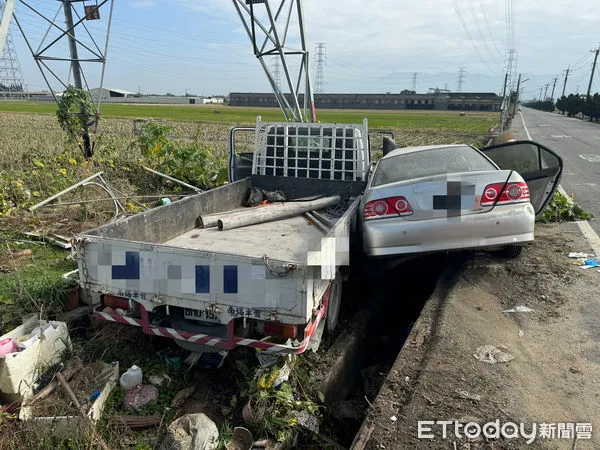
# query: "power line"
[[468, 33], [476, 20], [489, 29]]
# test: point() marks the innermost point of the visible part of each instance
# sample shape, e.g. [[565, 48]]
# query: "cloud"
[[143, 4]]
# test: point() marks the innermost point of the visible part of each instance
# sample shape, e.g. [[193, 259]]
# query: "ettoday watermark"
[[430, 429]]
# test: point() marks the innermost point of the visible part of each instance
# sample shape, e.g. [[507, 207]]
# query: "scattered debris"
[[393, 418], [19, 254], [137, 422], [579, 255], [307, 420], [191, 432], [40, 344], [175, 180], [159, 380], [492, 355], [139, 396], [131, 378], [464, 394], [519, 308], [521, 333], [182, 396], [241, 439], [55, 239]]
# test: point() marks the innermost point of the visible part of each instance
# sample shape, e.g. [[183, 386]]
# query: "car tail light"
[[280, 329], [387, 207], [504, 193]]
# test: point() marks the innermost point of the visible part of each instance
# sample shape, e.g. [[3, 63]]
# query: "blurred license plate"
[[200, 314]]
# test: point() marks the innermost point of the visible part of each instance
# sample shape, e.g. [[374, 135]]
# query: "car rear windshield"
[[425, 163]]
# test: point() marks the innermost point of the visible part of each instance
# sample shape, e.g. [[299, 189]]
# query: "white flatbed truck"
[[270, 286]]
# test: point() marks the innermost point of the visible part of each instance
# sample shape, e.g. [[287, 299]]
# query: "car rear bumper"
[[504, 225]]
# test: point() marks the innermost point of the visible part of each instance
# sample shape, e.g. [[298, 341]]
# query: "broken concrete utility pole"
[[281, 211]]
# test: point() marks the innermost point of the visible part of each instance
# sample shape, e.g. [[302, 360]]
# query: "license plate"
[[200, 314]]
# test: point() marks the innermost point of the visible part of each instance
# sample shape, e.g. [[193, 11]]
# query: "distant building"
[[406, 100], [106, 93], [213, 100]]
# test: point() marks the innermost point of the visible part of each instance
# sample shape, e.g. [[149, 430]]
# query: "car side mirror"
[[388, 145]]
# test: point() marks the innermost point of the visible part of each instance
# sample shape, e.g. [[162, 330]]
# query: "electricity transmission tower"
[[511, 68], [268, 23], [414, 82], [11, 77], [67, 47], [277, 72], [320, 58], [461, 78]]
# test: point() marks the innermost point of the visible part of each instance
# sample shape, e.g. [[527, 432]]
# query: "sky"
[[201, 47]]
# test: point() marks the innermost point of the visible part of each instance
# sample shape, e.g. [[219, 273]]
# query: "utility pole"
[[592, 75], [88, 151], [414, 82], [553, 87], [546, 91], [505, 82], [517, 95], [566, 78], [541, 89]]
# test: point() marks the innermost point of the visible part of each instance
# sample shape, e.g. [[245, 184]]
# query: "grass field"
[[476, 122]]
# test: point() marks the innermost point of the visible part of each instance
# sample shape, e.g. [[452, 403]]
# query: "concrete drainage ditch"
[[388, 303]]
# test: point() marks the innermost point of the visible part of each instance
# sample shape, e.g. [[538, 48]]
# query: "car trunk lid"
[[451, 195]]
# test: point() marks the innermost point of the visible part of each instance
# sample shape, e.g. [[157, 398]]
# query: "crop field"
[[475, 122]]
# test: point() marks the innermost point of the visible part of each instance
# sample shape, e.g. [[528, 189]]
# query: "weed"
[[563, 209]]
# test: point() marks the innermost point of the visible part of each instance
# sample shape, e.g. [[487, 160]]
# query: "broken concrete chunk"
[[492, 355], [139, 396], [191, 432]]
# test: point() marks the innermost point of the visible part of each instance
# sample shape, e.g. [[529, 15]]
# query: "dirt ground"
[[553, 378]]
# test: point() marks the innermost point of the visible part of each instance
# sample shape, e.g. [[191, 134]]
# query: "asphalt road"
[[578, 143]]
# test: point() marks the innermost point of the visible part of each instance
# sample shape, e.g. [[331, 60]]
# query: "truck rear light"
[[115, 302], [387, 207], [281, 330], [505, 194]]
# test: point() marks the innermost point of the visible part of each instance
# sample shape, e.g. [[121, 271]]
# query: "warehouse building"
[[408, 100]]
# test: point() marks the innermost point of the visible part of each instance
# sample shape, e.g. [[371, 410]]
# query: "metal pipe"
[[69, 189], [175, 180]]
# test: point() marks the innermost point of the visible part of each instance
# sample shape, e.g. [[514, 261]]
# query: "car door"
[[539, 166]]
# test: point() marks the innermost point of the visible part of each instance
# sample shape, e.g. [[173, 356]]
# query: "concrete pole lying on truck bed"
[[274, 212]]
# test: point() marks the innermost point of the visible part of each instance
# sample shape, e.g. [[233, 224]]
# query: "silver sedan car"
[[448, 197]]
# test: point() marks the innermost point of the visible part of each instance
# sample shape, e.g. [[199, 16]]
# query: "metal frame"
[[43, 54], [269, 35]]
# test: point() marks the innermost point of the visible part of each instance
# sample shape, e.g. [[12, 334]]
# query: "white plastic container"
[[131, 378]]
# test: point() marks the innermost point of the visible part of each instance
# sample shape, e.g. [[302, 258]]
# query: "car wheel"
[[335, 299], [511, 251]]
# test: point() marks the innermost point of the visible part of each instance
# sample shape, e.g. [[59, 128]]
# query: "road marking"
[[590, 235], [559, 136], [586, 229], [525, 126], [596, 137], [590, 157]]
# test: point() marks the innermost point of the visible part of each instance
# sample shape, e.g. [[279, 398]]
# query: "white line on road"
[[590, 235], [586, 229], [525, 126]]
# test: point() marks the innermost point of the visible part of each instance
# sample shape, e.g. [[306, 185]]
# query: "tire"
[[335, 300], [511, 251]]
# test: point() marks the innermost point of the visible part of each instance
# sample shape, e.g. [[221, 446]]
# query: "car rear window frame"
[[375, 182]]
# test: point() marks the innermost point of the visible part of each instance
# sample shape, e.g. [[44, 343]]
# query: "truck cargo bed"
[[283, 240]]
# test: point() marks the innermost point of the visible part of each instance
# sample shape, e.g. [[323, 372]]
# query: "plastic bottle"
[[131, 378]]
